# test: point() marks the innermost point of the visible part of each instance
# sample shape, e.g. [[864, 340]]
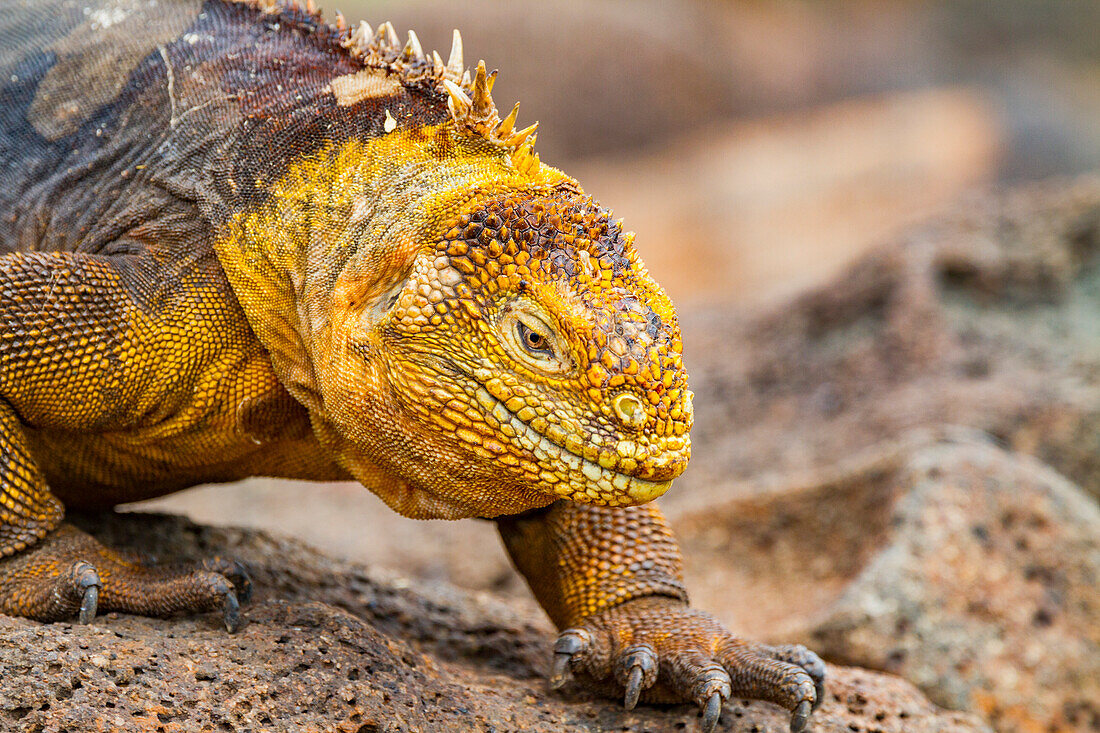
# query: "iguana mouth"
[[584, 480]]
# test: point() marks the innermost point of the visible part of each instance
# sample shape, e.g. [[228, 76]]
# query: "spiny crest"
[[470, 102]]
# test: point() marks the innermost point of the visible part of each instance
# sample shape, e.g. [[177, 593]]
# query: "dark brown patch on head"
[[281, 75], [566, 253]]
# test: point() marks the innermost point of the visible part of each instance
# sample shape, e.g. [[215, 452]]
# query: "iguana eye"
[[536, 343], [525, 334]]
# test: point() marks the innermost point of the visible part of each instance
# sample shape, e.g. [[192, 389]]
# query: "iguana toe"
[[571, 643], [800, 656], [235, 573]]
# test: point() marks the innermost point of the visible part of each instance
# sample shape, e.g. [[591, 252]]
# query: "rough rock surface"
[[331, 646], [966, 569], [988, 319]]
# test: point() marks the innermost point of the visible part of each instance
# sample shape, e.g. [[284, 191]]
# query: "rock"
[[968, 570], [809, 430], [987, 318], [334, 646]]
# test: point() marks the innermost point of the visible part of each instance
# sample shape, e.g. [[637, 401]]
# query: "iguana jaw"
[[574, 476]]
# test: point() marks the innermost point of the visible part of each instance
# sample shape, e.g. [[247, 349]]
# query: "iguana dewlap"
[[238, 241]]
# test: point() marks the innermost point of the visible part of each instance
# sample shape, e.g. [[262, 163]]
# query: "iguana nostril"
[[630, 411]]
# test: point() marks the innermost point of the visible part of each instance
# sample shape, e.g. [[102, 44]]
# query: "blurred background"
[[774, 140], [757, 148]]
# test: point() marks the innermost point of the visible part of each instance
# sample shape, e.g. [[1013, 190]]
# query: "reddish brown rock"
[[330, 646], [961, 567]]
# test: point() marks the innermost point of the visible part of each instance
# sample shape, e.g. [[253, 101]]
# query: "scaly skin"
[[238, 241]]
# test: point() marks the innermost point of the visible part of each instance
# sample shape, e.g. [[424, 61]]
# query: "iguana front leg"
[[74, 335], [612, 579], [70, 574]]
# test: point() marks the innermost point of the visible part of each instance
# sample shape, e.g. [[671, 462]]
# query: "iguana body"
[[237, 241]]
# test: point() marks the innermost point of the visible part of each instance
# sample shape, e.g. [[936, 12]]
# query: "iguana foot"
[[660, 650], [69, 573]]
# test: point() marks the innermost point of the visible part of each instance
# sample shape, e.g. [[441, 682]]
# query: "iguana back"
[[114, 114]]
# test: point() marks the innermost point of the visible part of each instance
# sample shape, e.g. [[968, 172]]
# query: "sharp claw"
[[712, 711], [232, 616], [636, 670], [89, 604], [819, 694], [571, 642], [816, 670], [242, 582], [559, 672], [633, 687], [800, 716], [87, 580]]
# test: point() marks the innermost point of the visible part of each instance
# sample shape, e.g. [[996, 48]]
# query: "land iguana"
[[240, 241]]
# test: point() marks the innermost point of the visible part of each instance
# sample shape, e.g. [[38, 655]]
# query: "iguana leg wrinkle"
[[70, 574], [612, 579]]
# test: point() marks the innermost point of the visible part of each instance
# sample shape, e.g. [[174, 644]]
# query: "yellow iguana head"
[[477, 336], [532, 339]]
